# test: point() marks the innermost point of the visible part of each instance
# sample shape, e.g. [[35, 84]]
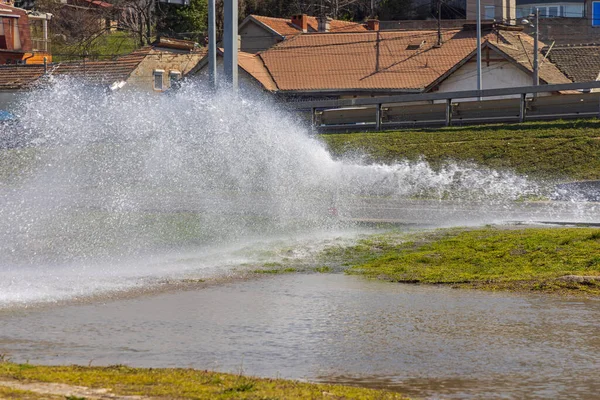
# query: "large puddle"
[[424, 341]]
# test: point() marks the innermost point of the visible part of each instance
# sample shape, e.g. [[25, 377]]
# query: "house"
[[563, 21], [93, 13], [23, 36], [493, 10], [152, 68], [258, 33], [380, 63], [551, 9], [580, 63], [252, 73]]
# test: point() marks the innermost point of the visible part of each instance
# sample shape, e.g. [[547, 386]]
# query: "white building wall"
[[498, 75], [255, 38]]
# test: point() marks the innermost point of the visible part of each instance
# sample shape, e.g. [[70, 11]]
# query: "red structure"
[[16, 44]]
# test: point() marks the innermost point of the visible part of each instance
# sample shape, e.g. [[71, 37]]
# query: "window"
[[16, 35], [174, 76], [158, 79], [489, 12], [553, 12], [2, 37], [561, 12], [596, 13]]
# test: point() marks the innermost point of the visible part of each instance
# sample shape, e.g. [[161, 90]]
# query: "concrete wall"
[[567, 30], [429, 24], [496, 75], [255, 38], [143, 76]]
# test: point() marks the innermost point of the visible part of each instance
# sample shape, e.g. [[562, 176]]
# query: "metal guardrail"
[[388, 111]]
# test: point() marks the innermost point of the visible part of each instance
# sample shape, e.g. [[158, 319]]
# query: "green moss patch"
[[541, 259], [184, 383], [558, 149], [8, 393]]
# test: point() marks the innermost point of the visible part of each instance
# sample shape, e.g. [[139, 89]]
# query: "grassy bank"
[[166, 384], [560, 149], [565, 260], [100, 47]]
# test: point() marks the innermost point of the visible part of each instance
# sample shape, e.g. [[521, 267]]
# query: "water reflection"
[[428, 342]]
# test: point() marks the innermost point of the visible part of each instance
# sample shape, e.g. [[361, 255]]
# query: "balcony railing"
[[40, 45]]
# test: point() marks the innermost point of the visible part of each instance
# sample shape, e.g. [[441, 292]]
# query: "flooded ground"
[[424, 341]]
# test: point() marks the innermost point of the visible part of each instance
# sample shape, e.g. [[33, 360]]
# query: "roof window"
[[415, 44]]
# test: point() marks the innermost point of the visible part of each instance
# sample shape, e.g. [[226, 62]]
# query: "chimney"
[[373, 24], [323, 23], [301, 21]]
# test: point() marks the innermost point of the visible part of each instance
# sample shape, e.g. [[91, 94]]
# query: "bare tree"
[[138, 17]]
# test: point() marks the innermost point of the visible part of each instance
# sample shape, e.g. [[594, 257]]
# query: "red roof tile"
[[285, 27], [13, 77], [382, 60]]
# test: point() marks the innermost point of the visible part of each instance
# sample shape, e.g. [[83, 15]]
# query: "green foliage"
[[390, 10], [559, 149], [534, 259], [188, 22], [182, 383]]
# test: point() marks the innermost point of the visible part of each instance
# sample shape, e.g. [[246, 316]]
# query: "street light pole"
[[479, 78], [536, 77], [230, 42], [212, 44]]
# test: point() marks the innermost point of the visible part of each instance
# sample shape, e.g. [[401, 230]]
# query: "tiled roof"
[[581, 63], [285, 27], [382, 60], [103, 72], [519, 47], [252, 64], [14, 77], [106, 72]]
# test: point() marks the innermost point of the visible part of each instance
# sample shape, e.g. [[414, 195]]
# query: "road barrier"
[[576, 100]]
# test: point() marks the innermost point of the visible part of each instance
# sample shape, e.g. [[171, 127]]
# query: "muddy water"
[[427, 342]]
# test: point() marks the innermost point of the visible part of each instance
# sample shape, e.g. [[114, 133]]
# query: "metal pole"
[[479, 80], [230, 42], [448, 112], [212, 44], [523, 107], [439, 23], [536, 78]]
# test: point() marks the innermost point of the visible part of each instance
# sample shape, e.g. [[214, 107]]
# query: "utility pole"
[[536, 77], [439, 23], [230, 42], [479, 80], [212, 44]]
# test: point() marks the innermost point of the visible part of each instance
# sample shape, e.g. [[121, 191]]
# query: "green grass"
[[105, 46], [8, 393], [183, 383], [512, 259], [277, 270], [558, 149]]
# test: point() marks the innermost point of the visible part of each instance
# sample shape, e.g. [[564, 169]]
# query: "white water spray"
[[108, 180]]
